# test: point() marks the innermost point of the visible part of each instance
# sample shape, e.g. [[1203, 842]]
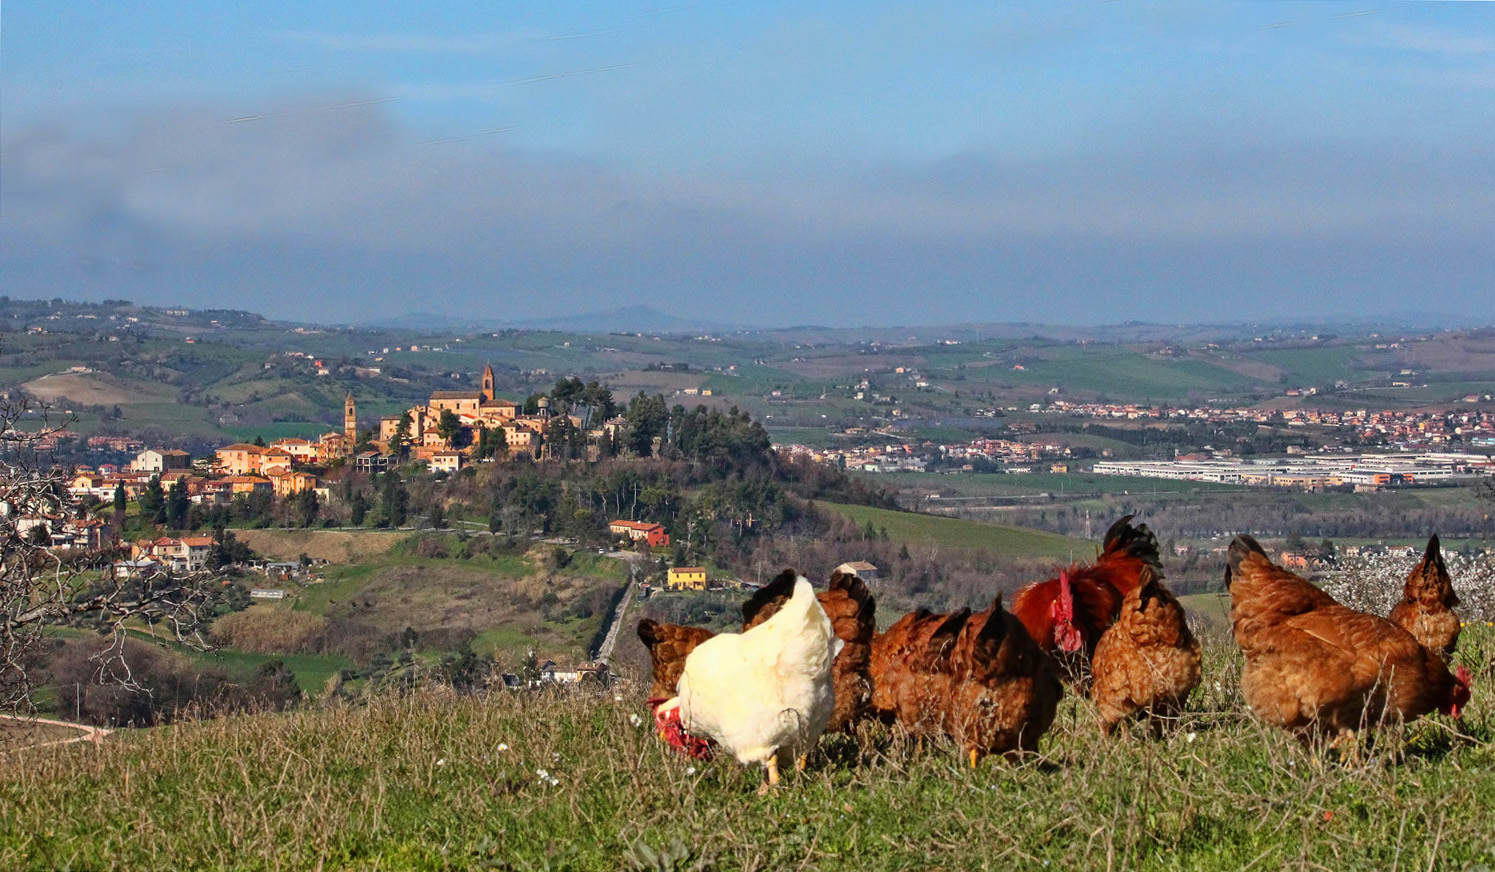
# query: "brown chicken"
[[1426, 610], [912, 684], [1006, 691], [1147, 662], [1067, 614], [851, 608], [1314, 666], [669, 645]]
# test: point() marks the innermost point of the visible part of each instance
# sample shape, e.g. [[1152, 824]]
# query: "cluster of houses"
[[904, 457], [68, 533], [203, 488], [288, 466], [650, 534], [550, 673], [696, 578], [1396, 427], [1361, 471], [477, 410]]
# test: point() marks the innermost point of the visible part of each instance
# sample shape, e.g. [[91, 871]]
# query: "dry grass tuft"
[[434, 781]]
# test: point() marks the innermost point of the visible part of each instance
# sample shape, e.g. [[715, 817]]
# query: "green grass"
[[1121, 375], [1315, 366], [1435, 392], [493, 596], [913, 529], [173, 418], [1057, 484], [428, 781], [282, 430], [311, 670]]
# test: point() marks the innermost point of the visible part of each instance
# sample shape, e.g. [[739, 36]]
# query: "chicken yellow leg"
[[773, 775]]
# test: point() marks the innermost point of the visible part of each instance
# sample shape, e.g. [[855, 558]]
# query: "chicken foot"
[[772, 764]]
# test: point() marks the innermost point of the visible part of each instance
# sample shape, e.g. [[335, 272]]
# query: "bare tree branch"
[[42, 587]]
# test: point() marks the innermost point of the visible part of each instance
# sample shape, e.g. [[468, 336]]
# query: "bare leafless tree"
[[40, 587]]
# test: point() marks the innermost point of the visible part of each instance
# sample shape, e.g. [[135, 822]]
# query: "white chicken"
[[766, 695]]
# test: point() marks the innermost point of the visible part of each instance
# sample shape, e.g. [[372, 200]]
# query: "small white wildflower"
[[690, 770], [1191, 737], [503, 746], [617, 697], [441, 762], [1218, 687], [542, 773], [635, 720], [554, 782]]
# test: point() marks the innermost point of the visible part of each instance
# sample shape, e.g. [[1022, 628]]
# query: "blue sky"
[[763, 163]]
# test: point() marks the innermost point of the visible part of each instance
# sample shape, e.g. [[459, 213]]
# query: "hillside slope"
[[429, 781]]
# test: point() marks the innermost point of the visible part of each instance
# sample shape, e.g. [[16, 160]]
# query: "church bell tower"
[[488, 383], [350, 419]]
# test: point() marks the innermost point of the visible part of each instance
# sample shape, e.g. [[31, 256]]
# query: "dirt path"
[[85, 732]]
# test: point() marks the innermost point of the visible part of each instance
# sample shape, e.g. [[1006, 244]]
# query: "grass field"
[[311, 670], [912, 529], [500, 599], [429, 781], [1123, 376], [1315, 366], [336, 546], [1057, 484]]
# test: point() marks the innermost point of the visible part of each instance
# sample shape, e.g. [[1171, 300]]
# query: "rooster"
[[1426, 610], [765, 694], [1315, 666], [1068, 613], [851, 608], [1148, 661], [1006, 689]]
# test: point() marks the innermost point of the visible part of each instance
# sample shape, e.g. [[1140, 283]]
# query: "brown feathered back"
[[1313, 664], [910, 670], [852, 611], [669, 645], [1148, 661], [1007, 689], [769, 598], [1426, 609]]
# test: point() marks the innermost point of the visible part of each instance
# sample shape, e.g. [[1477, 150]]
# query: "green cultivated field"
[[1315, 366], [429, 781], [912, 529], [1057, 484]]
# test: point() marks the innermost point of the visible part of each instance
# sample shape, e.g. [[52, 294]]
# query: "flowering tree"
[[1373, 583]]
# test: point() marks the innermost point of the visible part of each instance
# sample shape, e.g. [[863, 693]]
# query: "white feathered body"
[[766, 691]]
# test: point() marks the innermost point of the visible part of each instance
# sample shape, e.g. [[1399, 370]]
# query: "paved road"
[[605, 650]]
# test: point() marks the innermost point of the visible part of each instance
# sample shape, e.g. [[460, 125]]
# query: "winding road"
[[85, 734]]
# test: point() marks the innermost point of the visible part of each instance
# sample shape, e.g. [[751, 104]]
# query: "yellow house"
[[686, 578], [287, 482]]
